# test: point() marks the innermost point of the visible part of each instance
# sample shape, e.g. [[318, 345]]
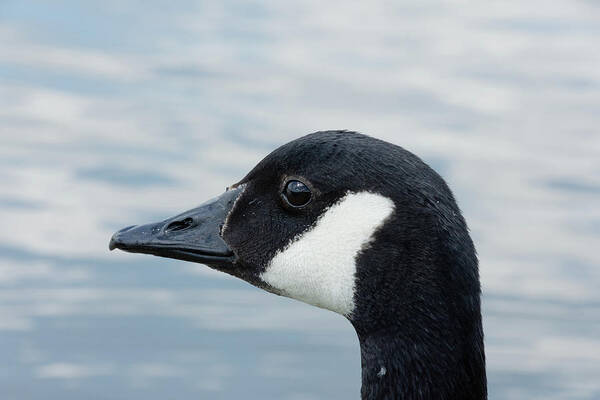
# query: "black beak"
[[191, 236]]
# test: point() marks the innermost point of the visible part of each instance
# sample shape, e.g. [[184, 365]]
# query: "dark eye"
[[296, 193]]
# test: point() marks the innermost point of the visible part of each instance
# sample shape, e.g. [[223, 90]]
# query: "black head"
[[349, 223]]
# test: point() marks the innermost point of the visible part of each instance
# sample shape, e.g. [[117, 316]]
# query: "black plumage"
[[417, 294]]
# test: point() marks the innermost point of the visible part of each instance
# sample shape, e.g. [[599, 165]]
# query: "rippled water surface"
[[114, 113]]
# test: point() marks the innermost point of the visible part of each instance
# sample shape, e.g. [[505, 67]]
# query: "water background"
[[115, 113]]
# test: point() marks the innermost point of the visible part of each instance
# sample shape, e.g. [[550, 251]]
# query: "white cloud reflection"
[[224, 309], [72, 371]]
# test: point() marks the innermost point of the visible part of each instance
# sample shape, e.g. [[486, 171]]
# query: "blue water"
[[115, 113]]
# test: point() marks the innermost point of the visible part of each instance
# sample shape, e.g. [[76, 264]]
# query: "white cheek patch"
[[319, 266]]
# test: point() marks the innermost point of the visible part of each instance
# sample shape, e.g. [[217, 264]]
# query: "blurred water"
[[114, 113]]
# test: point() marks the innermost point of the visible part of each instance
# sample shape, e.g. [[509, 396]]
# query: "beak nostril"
[[180, 225]]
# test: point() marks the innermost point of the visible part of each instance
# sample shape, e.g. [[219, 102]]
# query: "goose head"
[[358, 226]]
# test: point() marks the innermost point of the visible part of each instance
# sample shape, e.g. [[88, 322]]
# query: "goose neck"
[[397, 366]]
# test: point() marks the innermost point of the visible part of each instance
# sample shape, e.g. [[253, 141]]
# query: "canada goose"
[[361, 227]]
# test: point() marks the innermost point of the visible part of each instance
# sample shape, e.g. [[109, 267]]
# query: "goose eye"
[[296, 193]]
